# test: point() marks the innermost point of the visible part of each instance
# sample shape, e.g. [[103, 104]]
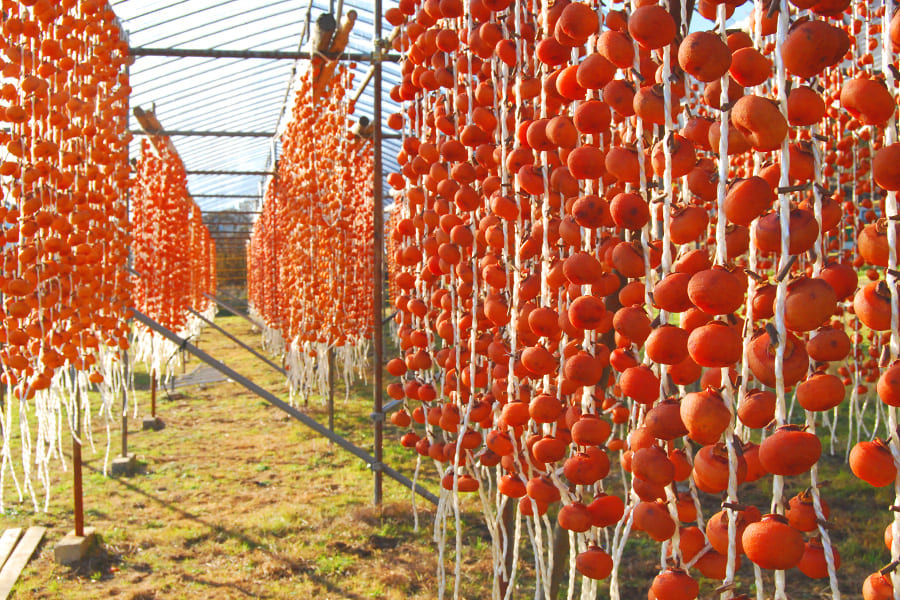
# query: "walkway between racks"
[[350, 447]]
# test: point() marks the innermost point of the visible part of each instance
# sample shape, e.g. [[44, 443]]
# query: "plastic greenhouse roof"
[[235, 95]]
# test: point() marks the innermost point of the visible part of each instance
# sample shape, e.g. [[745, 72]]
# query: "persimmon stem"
[[787, 268], [889, 568]]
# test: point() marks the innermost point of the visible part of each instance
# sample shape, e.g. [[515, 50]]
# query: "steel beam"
[[371, 461], [238, 342], [233, 310], [187, 132], [378, 250], [259, 173], [140, 51]]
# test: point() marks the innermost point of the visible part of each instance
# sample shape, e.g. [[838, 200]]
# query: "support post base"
[[73, 548], [153, 424], [124, 465]]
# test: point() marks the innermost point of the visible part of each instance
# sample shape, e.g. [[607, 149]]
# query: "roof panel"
[[204, 94]]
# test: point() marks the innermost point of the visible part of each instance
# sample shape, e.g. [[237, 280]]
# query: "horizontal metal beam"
[[284, 406], [188, 132], [237, 134], [234, 311], [264, 54], [238, 342], [254, 196], [259, 173]]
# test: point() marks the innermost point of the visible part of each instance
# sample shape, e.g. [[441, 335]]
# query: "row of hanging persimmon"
[[618, 241]]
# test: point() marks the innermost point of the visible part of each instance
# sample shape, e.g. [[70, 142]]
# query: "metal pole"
[[240, 212], [233, 310], [284, 406], [139, 51], [331, 389], [368, 76], [208, 172], [195, 133], [378, 226], [77, 492], [125, 410], [237, 341]]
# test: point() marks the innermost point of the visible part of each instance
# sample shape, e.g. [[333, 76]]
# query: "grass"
[[234, 499]]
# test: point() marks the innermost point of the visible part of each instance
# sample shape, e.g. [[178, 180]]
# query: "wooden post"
[[378, 235], [322, 32], [77, 492]]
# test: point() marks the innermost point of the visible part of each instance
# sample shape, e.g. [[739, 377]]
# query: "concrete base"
[[73, 548], [153, 424], [124, 465]]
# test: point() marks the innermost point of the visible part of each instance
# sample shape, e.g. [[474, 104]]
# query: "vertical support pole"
[[378, 235], [153, 393], [331, 391], [508, 517], [77, 494], [125, 411]]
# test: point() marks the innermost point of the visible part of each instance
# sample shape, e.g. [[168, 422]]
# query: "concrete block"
[[73, 548], [124, 465], [153, 424]]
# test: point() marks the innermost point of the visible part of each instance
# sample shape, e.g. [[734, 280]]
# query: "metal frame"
[[185, 132], [233, 310], [377, 256], [374, 76], [237, 341], [264, 54], [260, 173], [374, 462]]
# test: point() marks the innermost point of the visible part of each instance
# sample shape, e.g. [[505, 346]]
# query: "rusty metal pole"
[[377, 255], [77, 491]]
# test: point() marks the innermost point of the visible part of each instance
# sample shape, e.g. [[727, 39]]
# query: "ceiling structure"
[[196, 95]]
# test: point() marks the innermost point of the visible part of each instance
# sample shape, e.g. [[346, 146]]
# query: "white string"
[[891, 210], [784, 220]]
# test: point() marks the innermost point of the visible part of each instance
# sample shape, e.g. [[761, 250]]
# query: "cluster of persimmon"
[[174, 254], [586, 272], [63, 182], [310, 254]]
